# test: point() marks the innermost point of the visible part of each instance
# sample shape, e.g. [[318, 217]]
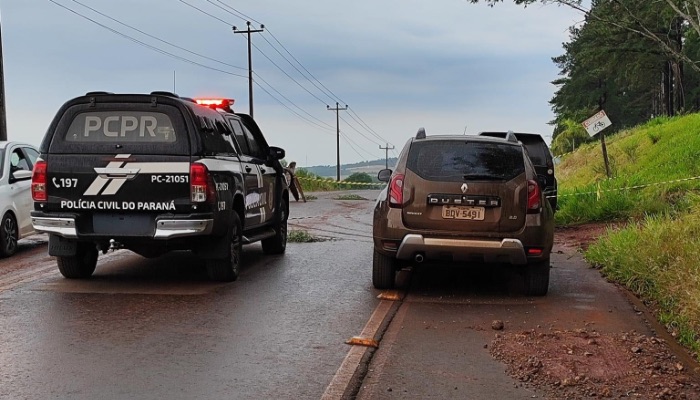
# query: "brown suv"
[[459, 198]]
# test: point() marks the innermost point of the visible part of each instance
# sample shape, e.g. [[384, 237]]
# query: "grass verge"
[[657, 259]]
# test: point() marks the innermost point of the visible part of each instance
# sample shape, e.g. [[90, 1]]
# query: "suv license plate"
[[463, 212]]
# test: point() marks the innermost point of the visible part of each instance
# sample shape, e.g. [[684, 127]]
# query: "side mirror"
[[384, 175], [276, 153], [21, 175]]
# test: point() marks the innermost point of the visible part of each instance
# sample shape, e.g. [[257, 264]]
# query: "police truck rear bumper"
[[165, 228]]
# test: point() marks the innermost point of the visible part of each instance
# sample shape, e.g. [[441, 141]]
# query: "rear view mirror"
[[384, 175], [20, 175], [276, 153]]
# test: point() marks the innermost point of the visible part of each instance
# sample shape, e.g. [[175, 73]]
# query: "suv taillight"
[[39, 181], [199, 183], [396, 191], [534, 196]]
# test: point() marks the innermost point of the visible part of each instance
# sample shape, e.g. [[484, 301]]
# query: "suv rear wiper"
[[483, 176]]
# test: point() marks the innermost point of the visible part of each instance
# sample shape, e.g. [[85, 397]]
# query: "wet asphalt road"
[[157, 328]]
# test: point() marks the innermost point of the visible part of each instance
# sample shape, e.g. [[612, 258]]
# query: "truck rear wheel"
[[278, 243], [81, 265], [227, 269]]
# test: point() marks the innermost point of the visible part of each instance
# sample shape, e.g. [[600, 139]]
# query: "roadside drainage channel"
[[348, 378]]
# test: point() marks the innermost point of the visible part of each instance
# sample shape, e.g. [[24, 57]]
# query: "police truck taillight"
[[199, 182], [396, 191], [39, 181], [534, 194]]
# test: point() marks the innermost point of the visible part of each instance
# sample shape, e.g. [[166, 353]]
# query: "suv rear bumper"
[[492, 251], [394, 239], [166, 228]]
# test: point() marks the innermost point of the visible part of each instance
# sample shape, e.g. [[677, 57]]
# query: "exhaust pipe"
[[418, 258]]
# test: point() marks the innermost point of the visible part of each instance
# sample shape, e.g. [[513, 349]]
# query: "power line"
[[287, 107], [144, 44], [321, 87], [327, 126], [235, 12], [160, 50], [297, 69], [156, 38], [352, 146], [363, 123], [289, 76], [360, 133], [205, 13]]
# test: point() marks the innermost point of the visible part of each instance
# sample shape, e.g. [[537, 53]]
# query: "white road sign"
[[597, 123]]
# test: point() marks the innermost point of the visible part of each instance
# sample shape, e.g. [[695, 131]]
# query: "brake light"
[[39, 181], [534, 196], [534, 251], [396, 191], [199, 182]]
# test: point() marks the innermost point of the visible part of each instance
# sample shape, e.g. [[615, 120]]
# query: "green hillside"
[[656, 255], [663, 150]]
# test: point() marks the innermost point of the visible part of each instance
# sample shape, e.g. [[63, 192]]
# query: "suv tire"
[[227, 269], [383, 271], [81, 265], [278, 243], [9, 234], [537, 278]]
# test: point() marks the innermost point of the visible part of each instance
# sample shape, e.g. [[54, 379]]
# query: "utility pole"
[[337, 110], [386, 157], [3, 111], [250, 62]]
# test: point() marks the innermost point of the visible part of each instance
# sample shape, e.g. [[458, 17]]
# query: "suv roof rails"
[[96, 93], [510, 136], [164, 93], [421, 133]]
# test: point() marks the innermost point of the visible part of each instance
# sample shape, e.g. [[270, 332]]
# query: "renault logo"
[[464, 188]]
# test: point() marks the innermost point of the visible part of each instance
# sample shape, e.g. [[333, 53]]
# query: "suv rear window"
[[455, 161]]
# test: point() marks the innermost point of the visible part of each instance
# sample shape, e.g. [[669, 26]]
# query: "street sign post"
[[595, 125]]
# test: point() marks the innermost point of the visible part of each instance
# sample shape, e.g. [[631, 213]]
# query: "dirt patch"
[[581, 236], [584, 364]]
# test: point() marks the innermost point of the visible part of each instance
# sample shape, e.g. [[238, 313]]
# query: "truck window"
[[121, 127], [239, 136]]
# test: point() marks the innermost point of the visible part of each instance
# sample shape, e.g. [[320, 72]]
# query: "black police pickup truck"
[[153, 173]]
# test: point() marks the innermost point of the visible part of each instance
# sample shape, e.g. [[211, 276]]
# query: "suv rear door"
[[465, 186], [117, 157]]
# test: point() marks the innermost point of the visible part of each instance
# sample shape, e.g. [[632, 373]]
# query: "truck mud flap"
[[60, 247]]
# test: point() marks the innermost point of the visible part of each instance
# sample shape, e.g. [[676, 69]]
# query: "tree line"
[[636, 59]]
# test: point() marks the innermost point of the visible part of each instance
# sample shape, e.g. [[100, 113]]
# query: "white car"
[[16, 163]]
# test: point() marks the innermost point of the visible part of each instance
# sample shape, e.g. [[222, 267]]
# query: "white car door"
[[20, 190]]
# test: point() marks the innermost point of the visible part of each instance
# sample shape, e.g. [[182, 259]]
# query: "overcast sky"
[[449, 66]]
